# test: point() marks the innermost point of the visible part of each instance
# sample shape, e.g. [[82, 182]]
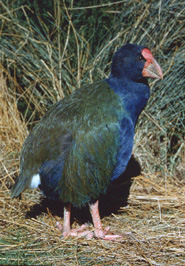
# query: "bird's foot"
[[89, 234], [78, 232]]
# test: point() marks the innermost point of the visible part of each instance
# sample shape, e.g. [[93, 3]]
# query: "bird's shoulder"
[[85, 100], [86, 106], [86, 111]]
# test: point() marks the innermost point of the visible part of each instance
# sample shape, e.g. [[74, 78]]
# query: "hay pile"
[[45, 56]]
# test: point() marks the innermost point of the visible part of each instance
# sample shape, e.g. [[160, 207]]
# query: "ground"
[[154, 216]]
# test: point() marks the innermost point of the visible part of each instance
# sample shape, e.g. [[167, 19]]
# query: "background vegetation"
[[47, 50]]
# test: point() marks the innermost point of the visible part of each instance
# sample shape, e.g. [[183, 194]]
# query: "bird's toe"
[[103, 234]]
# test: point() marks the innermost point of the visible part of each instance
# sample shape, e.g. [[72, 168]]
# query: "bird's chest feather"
[[125, 145]]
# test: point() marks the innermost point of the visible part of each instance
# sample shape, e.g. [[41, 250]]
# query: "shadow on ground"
[[116, 197]]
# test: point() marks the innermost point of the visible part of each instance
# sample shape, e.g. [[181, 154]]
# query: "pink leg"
[[94, 210], [99, 232], [67, 216], [66, 228]]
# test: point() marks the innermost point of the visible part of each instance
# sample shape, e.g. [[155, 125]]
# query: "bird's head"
[[135, 62]]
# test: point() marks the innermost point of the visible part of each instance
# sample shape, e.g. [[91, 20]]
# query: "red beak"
[[151, 68]]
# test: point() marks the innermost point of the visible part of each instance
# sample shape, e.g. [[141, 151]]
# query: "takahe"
[[85, 140]]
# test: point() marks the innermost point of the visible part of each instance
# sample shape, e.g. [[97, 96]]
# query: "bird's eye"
[[140, 58]]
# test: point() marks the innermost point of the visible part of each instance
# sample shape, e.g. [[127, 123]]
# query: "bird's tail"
[[18, 187]]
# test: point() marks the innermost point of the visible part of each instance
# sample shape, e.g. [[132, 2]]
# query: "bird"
[[84, 142]]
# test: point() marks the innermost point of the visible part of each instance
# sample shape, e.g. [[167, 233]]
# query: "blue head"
[[135, 62]]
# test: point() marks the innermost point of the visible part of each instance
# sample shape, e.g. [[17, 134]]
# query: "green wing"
[[82, 131]]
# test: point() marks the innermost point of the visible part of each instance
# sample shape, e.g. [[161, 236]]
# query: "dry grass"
[[38, 71], [13, 131], [12, 128], [155, 217]]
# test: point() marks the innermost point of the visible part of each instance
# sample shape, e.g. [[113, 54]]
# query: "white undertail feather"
[[35, 181]]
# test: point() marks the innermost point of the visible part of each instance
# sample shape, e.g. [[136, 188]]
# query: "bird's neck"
[[134, 95]]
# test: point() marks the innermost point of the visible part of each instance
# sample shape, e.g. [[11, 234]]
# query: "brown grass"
[[13, 131], [12, 128]]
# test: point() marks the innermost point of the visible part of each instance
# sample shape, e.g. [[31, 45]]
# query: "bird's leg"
[[94, 210], [82, 231], [67, 216], [99, 232], [66, 228]]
